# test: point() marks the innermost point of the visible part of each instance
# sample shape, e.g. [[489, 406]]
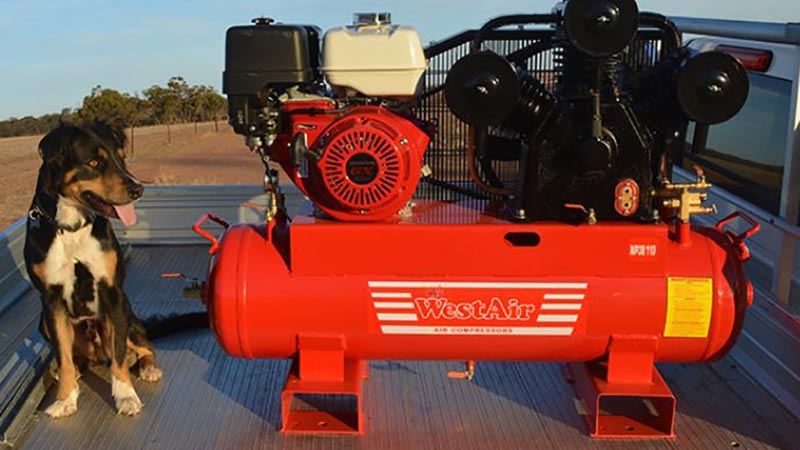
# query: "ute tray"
[[210, 400]]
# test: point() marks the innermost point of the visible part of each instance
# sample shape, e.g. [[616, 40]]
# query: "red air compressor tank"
[[327, 292]]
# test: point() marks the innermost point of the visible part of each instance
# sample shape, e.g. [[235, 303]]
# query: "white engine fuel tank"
[[373, 58]]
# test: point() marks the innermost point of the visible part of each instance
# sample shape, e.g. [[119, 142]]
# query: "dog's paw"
[[125, 398], [151, 374], [128, 406], [65, 407]]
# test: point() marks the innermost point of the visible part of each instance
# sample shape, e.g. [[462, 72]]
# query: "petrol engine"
[[352, 148]]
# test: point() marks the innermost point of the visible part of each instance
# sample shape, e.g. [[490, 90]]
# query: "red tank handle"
[[738, 239], [743, 299], [198, 228]]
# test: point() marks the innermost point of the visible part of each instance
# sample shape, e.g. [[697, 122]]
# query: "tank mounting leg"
[[323, 393], [625, 396]]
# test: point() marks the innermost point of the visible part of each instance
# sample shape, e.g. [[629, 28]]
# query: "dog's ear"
[[111, 132], [53, 146]]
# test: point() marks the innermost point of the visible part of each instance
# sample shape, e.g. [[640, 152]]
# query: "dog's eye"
[[93, 163]]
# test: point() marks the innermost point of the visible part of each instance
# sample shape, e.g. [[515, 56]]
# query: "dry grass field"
[[194, 157]]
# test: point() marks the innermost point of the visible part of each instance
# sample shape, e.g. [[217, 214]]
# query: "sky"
[[52, 52]]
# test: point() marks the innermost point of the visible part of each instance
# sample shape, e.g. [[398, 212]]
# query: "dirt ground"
[[193, 157]]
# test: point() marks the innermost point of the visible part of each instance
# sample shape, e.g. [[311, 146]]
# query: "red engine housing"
[[368, 158]]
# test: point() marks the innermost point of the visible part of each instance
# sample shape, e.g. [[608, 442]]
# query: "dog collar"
[[36, 213]]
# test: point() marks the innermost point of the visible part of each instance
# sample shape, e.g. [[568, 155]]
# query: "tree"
[[105, 105], [176, 102], [218, 106], [66, 115], [166, 105], [207, 104], [180, 89], [139, 110]]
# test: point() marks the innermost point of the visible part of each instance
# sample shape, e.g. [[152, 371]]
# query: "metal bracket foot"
[[625, 397], [323, 393]]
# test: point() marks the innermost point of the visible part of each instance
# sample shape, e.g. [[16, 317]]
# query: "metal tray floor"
[[208, 400]]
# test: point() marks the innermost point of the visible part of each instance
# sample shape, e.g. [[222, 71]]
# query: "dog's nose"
[[135, 191]]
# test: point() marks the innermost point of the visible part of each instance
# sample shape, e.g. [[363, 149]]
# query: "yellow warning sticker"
[[688, 307]]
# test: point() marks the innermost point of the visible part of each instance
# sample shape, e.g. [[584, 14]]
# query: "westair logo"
[[477, 308], [496, 309]]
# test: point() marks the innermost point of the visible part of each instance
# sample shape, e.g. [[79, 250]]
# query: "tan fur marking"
[[107, 338], [121, 372], [67, 374], [38, 270], [85, 345], [81, 347], [116, 188], [143, 356], [94, 185], [69, 176], [110, 188], [145, 359], [117, 370], [110, 259], [140, 350]]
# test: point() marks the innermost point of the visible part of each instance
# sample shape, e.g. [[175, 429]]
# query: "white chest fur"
[[69, 248]]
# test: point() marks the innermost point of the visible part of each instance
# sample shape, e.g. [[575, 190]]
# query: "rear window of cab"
[[745, 155]]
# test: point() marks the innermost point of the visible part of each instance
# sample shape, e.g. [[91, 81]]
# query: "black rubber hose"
[[659, 21], [515, 19], [455, 188], [159, 326]]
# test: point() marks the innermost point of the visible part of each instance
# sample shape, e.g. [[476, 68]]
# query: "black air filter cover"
[[266, 53], [600, 28], [712, 87]]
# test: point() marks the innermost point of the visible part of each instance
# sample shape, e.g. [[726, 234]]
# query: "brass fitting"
[[590, 216], [685, 198]]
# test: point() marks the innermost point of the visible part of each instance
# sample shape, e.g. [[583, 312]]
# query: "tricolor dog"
[[74, 261]]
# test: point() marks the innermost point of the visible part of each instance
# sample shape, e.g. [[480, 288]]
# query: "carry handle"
[[754, 225], [738, 240], [198, 228]]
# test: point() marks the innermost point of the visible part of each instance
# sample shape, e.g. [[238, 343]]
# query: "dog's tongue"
[[126, 214]]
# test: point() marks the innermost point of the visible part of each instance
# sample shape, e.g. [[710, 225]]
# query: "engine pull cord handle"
[[468, 373], [198, 228], [738, 239]]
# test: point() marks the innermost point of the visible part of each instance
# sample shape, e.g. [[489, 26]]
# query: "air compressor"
[[586, 255]]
